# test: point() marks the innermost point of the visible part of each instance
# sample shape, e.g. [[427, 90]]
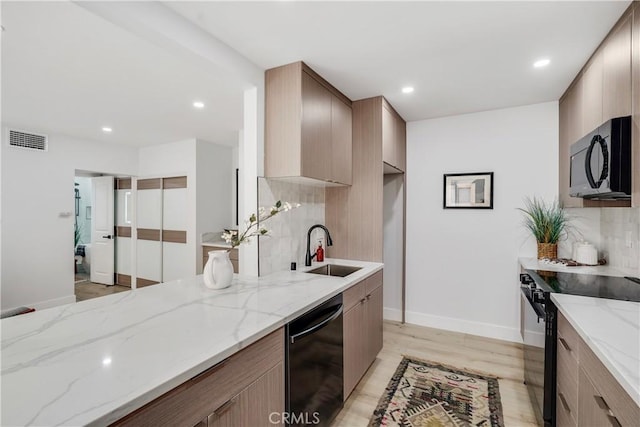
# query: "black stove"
[[538, 326], [620, 288]]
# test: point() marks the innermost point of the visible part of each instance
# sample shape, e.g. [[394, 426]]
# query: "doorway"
[[102, 249]]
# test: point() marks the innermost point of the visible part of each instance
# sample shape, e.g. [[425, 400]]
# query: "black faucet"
[[309, 257]]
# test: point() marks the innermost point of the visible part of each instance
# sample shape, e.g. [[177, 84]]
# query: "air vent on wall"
[[27, 140]]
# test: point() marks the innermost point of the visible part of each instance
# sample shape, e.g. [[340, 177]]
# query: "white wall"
[[37, 242], [462, 266], [393, 243]]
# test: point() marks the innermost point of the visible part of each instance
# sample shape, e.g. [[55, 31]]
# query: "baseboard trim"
[[392, 314], [486, 330], [41, 305]]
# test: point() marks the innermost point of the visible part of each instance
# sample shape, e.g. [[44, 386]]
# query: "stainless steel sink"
[[334, 270]]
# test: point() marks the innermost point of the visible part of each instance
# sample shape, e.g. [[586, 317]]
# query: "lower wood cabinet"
[[242, 390], [254, 405], [587, 393], [362, 325]]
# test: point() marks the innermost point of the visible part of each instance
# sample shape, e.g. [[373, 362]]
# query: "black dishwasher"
[[314, 386]]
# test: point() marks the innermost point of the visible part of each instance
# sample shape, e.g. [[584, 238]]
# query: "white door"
[[102, 230]]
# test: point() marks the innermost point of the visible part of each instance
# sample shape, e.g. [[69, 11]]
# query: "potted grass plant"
[[548, 222]]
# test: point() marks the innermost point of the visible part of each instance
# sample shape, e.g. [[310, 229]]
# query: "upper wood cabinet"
[[608, 86], [570, 132], [307, 126], [394, 134], [616, 84], [592, 94]]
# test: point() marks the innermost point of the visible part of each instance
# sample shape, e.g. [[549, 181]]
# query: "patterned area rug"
[[422, 394]]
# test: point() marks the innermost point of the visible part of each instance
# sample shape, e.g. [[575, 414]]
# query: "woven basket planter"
[[547, 250]]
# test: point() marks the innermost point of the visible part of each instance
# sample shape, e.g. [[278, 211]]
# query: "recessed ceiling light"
[[106, 361], [198, 104], [407, 89], [542, 63], [107, 129]]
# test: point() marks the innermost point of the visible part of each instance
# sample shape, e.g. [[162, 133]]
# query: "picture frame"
[[468, 190]]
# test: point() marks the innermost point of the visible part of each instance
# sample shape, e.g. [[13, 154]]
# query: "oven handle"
[[318, 326], [537, 308]]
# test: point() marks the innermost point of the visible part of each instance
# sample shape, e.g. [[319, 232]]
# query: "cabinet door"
[[592, 93], [316, 129], [401, 144], [389, 135], [570, 132], [589, 411], [341, 141], [254, 405], [373, 324], [354, 346], [616, 87]]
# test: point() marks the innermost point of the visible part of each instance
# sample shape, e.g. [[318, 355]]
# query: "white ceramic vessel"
[[218, 271], [587, 254]]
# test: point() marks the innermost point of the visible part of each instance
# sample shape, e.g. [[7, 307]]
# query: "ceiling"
[[460, 56], [68, 71]]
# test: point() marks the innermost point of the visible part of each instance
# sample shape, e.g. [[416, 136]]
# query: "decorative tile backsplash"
[[614, 231], [620, 237], [288, 239]]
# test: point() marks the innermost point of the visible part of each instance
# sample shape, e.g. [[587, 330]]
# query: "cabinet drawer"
[[567, 337], [191, 402], [607, 389], [373, 282], [567, 381], [567, 402], [353, 295]]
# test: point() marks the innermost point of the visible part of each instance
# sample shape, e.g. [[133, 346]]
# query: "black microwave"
[[601, 162]]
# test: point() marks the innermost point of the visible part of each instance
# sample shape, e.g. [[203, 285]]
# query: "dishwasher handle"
[[318, 326]]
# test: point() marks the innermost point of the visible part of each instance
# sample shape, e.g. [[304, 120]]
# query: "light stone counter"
[[611, 329], [95, 361]]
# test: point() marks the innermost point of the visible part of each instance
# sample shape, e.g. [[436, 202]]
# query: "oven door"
[[532, 329]]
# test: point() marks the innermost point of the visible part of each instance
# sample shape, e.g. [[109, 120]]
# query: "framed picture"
[[468, 190]]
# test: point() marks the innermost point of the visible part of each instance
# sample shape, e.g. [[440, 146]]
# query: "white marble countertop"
[[95, 361], [611, 329], [601, 270]]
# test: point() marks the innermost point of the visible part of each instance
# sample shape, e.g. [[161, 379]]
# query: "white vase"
[[218, 271]]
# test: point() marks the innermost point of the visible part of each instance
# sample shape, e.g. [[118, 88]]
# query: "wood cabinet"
[[341, 141], [608, 86], [592, 93], [362, 325], [616, 83], [374, 121], [587, 393], [570, 131], [307, 126], [254, 405], [233, 256], [394, 137], [241, 390]]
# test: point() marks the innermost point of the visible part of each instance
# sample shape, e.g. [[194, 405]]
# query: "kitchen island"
[[96, 361]]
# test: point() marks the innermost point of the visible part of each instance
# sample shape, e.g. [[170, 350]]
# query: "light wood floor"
[[87, 290], [498, 358]]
